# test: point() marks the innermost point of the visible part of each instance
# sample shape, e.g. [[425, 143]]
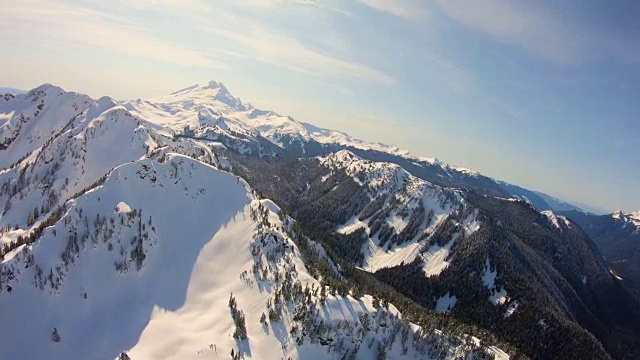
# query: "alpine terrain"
[[617, 236], [196, 226]]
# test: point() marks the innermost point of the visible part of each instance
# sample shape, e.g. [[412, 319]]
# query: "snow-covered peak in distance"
[[210, 111], [12, 90], [193, 105], [626, 218], [557, 221]]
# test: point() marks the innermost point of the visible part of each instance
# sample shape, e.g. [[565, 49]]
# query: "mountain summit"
[[194, 225]]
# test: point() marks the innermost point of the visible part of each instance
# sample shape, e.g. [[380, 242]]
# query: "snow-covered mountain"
[[133, 255], [402, 213], [151, 218], [523, 263], [201, 108], [4, 90], [628, 219], [210, 111], [22, 112], [119, 237], [617, 235]]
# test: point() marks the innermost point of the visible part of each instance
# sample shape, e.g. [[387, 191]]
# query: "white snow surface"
[[511, 309], [556, 220], [213, 106], [632, 218], [123, 208], [489, 276], [498, 295], [435, 258], [377, 258], [352, 225], [148, 251], [404, 194], [445, 303]]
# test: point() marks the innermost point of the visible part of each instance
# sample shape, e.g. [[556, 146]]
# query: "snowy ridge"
[[71, 161], [94, 142], [127, 287], [557, 221], [404, 211], [34, 117], [172, 256], [377, 177], [212, 105], [628, 218]]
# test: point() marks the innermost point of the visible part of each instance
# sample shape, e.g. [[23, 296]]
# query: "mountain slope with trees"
[[148, 214], [150, 249]]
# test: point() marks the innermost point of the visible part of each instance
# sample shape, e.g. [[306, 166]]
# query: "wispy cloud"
[[448, 73], [268, 46], [255, 39], [541, 32], [412, 9], [96, 29]]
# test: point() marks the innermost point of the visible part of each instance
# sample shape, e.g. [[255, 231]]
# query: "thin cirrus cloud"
[[90, 28], [254, 40], [287, 52], [538, 31], [415, 9]]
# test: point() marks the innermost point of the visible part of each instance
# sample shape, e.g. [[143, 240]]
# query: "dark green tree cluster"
[[237, 315]]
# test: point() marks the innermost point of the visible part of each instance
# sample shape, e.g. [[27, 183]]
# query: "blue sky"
[[543, 94]]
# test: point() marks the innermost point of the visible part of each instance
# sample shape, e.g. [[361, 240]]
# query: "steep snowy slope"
[[169, 260], [98, 140], [497, 261], [123, 215], [402, 214], [89, 146], [22, 133], [105, 261]]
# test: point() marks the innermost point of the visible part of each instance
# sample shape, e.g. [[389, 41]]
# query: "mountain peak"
[[46, 88], [216, 85], [207, 95], [627, 218]]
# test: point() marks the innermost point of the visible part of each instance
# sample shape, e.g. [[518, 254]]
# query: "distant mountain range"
[[304, 139], [4, 90], [194, 224], [617, 236]]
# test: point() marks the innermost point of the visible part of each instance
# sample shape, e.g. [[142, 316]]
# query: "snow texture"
[[147, 238]]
